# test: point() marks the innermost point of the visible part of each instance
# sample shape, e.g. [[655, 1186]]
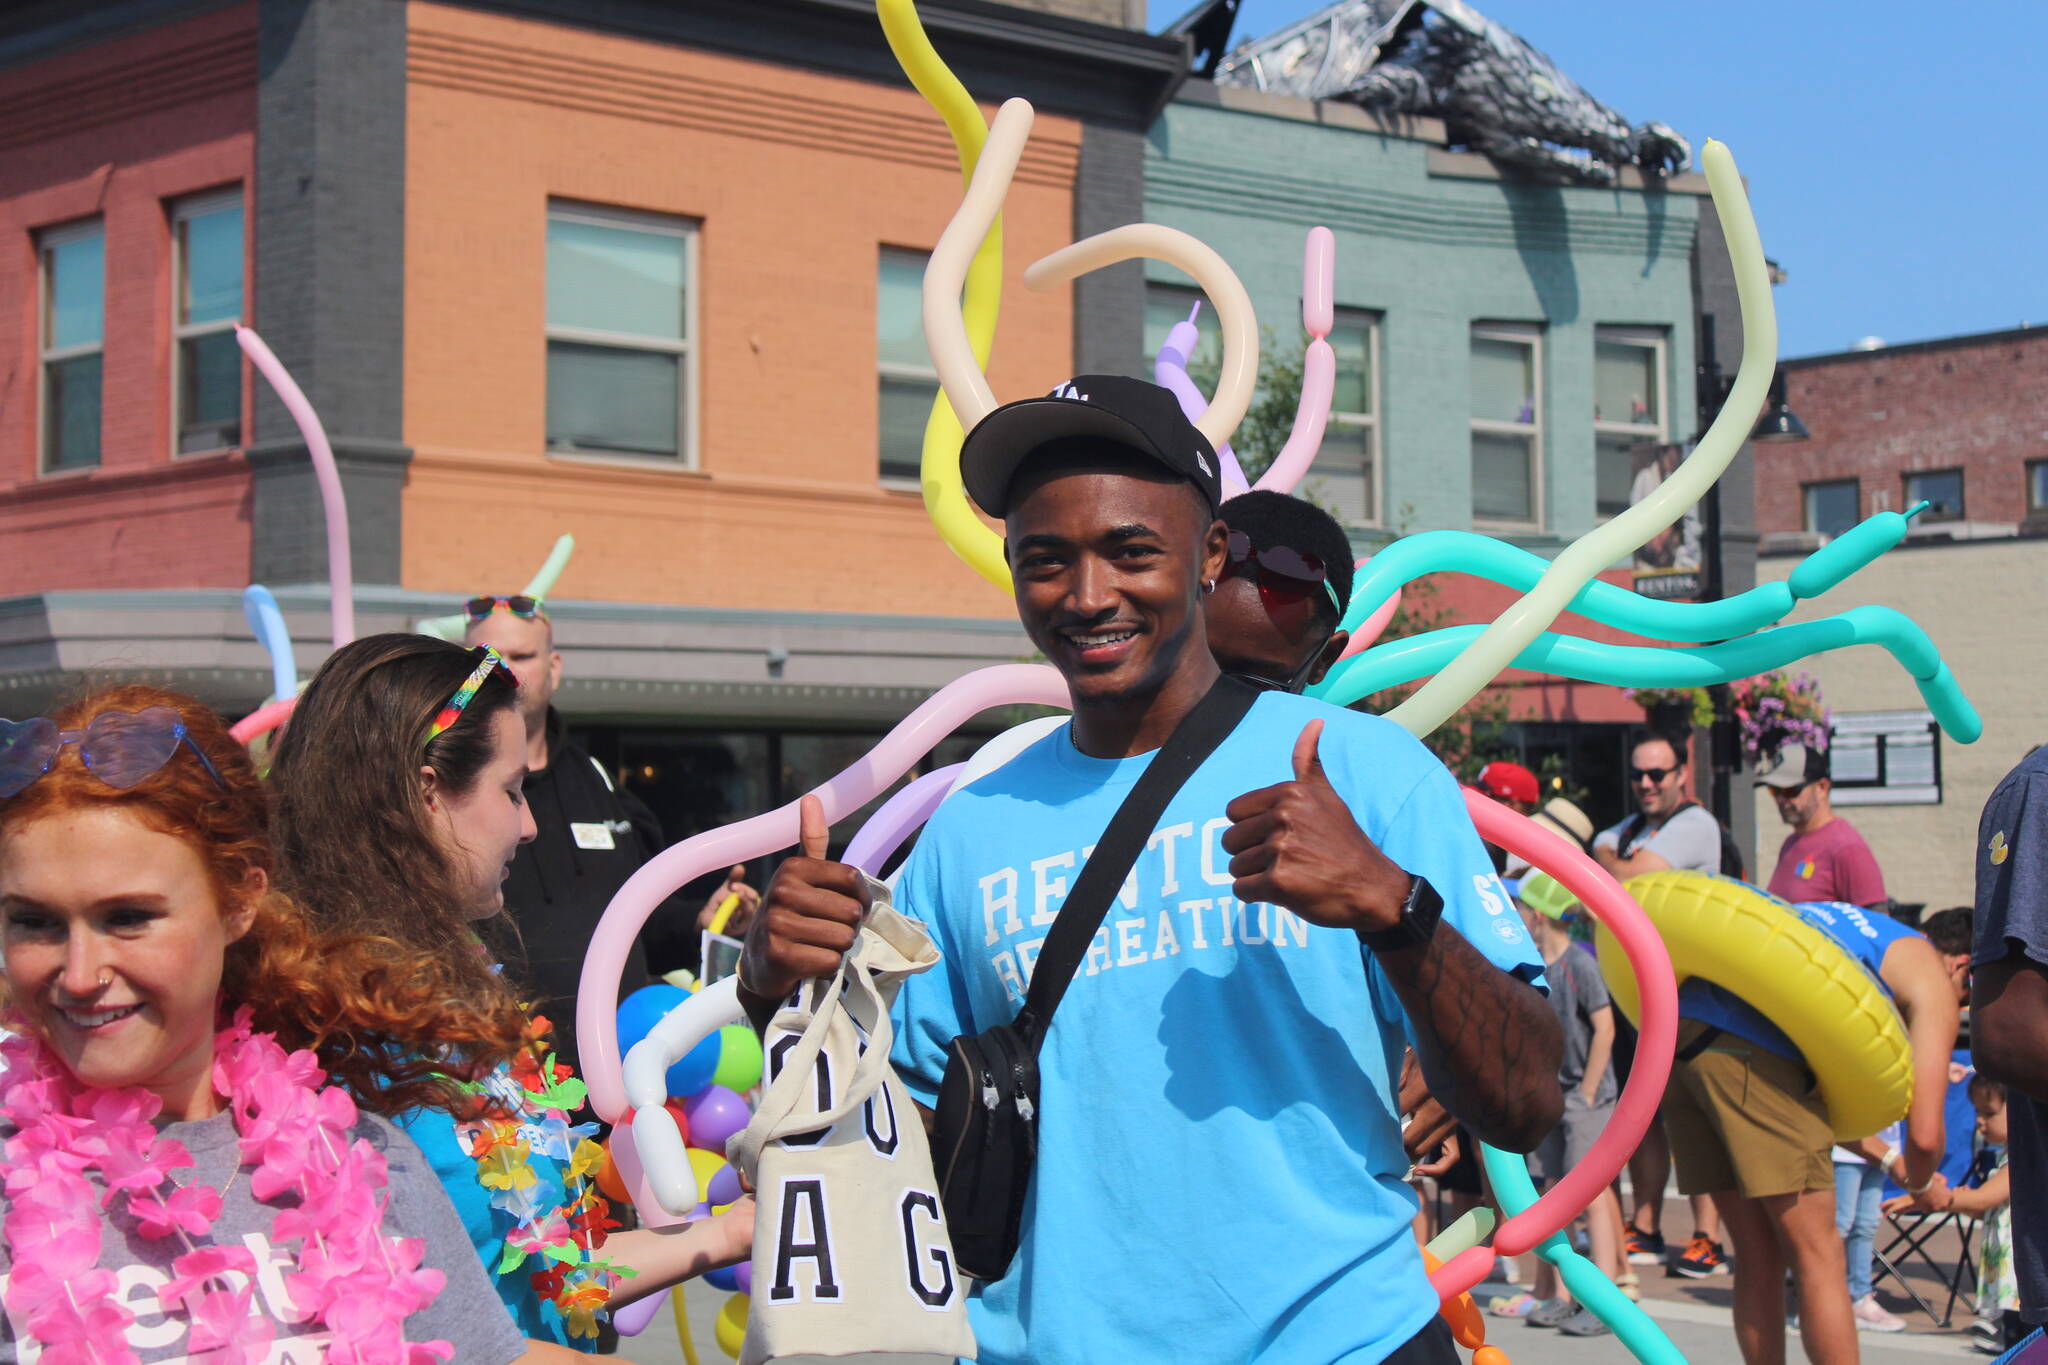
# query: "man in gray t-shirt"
[[1670, 831]]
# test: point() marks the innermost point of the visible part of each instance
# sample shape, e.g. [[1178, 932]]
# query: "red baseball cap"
[[1509, 782]]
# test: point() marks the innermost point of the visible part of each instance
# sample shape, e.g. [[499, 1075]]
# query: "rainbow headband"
[[452, 712]]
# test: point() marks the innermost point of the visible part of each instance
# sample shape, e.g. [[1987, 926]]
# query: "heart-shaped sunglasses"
[[120, 748]]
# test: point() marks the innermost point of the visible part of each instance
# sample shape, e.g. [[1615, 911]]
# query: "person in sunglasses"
[[1668, 830], [589, 836], [160, 1147], [1824, 858], [400, 804], [1312, 899]]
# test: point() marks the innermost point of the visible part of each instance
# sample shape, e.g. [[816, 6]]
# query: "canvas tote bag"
[[851, 1257]]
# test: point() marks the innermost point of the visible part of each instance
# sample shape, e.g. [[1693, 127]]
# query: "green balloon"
[[739, 1058]]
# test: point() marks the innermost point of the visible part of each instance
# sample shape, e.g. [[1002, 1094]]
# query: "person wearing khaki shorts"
[[1747, 1127]]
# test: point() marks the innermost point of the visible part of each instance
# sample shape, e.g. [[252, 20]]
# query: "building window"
[[206, 363], [620, 298], [1832, 507], [908, 381], [1628, 409], [74, 261], [1167, 305], [1507, 424], [1346, 470], [2037, 485], [1941, 487], [1885, 758]]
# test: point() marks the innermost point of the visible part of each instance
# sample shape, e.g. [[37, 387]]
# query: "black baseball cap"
[[1140, 417]]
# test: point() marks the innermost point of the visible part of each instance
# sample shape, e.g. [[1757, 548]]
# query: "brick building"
[[1961, 423], [638, 271]]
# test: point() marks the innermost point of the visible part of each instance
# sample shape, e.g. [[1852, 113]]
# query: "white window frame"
[[1872, 740], [685, 458], [1368, 422], [46, 354], [1806, 500], [1657, 341], [893, 370], [1529, 334], [196, 206], [1931, 515]]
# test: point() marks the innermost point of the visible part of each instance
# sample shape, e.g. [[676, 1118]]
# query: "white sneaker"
[[1871, 1316]]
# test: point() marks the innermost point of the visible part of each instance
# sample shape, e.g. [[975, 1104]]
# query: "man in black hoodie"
[[592, 836]]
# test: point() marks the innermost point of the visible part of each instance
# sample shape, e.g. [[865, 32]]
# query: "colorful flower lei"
[[359, 1284], [526, 1108]]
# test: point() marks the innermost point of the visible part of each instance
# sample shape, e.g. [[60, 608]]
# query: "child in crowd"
[[1579, 996], [1998, 1295]]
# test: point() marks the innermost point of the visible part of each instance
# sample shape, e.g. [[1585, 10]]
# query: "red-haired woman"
[[182, 1180], [399, 805]]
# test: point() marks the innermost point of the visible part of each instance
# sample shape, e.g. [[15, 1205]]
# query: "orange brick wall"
[[119, 130], [797, 180]]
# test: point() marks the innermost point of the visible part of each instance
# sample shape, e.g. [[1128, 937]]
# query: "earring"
[[1208, 586]]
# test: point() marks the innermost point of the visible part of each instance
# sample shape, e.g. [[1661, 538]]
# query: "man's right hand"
[[808, 920]]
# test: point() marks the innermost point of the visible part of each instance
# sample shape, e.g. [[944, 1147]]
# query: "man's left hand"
[[1296, 844]]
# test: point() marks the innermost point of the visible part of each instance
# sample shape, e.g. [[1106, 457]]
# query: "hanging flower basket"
[[1673, 709], [1777, 709]]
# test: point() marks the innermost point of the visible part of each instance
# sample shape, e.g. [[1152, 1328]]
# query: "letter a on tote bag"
[[851, 1257]]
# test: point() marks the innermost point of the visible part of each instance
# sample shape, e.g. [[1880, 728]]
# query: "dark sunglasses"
[[1654, 776], [1285, 577], [120, 748], [522, 606]]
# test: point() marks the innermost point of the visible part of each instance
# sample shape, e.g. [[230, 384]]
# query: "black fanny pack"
[[985, 1133]]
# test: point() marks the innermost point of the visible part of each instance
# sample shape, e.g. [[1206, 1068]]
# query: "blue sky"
[[1897, 155]]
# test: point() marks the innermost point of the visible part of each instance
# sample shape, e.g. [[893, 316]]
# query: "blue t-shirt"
[[1864, 934], [2011, 921], [447, 1147], [1220, 1163]]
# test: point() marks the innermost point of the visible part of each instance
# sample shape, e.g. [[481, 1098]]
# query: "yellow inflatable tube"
[[1733, 935]]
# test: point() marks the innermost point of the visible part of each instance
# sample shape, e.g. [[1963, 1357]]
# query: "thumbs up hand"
[[810, 917], [1295, 844]]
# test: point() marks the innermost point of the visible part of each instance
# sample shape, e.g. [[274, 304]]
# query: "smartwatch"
[[1419, 915]]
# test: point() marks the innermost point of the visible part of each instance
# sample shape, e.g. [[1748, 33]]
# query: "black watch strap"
[[1419, 916]]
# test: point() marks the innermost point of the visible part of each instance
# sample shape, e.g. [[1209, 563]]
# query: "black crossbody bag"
[[985, 1133]]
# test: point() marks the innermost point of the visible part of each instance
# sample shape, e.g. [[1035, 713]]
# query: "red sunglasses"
[[1285, 577]]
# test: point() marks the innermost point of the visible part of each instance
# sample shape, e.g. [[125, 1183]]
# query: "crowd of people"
[[281, 1066]]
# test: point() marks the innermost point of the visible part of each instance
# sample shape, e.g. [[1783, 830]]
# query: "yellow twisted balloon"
[[945, 499], [1482, 661]]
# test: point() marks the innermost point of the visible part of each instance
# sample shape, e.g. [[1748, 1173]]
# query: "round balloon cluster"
[[708, 1090]]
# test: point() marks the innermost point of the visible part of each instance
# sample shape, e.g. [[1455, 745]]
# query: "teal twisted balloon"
[[1644, 1339], [1738, 623]]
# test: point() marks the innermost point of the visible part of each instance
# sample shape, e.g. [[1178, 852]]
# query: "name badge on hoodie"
[[597, 835]]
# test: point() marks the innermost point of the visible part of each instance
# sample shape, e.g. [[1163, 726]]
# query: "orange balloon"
[[1467, 1326], [1490, 1355]]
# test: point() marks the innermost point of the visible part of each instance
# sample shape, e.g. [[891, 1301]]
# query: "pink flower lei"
[[357, 1283]]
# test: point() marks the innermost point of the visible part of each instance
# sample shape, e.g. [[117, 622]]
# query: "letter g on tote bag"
[[851, 1257]]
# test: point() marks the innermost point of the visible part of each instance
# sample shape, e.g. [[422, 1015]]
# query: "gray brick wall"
[[1109, 305], [330, 276]]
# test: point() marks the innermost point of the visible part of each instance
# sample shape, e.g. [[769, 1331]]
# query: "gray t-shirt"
[[2012, 920], [1689, 840], [1576, 991], [467, 1311]]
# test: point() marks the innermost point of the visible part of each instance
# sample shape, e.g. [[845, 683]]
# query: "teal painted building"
[[1502, 346]]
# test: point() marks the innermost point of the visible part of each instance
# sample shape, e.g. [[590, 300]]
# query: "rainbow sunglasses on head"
[[519, 604], [452, 712]]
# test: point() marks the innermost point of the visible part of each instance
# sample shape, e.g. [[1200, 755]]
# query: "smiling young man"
[[1217, 1138]]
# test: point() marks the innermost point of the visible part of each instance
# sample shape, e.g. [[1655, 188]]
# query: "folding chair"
[[1913, 1231]]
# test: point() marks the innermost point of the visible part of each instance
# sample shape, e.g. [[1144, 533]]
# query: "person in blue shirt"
[[1220, 1163], [1785, 1206]]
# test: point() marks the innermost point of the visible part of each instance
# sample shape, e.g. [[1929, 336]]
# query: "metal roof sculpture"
[[1444, 59]]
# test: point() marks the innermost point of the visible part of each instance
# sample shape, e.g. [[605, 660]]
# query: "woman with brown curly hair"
[[399, 804], [181, 1178]]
